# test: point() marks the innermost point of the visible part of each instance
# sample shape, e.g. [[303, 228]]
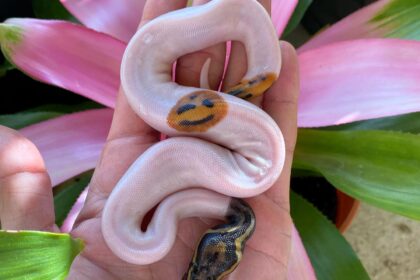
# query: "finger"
[[155, 8], [267, 5], [129, 135], [26, 200], [125, 122], [237, 66], [281, 102], [272, 208], [126, 125], [188, 67]]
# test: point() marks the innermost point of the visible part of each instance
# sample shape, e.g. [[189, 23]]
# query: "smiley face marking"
[[197, 112], [253, 87]]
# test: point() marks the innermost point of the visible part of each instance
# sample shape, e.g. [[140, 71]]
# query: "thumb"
[[26, 200]]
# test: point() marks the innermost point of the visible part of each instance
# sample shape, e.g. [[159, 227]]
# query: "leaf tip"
[[78, 246], [10, 36]]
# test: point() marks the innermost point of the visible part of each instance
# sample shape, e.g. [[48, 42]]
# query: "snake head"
[[221, 248]]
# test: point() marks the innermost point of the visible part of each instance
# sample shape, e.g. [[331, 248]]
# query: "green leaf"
[[43, 113], [10, 36], [66, 194], [6, 66], [330, 254], [20, 120], [36, 255], [304, 173], [400, 18], [404, 123], [51, 9], [297, 16], [63, 108], [377, 167]]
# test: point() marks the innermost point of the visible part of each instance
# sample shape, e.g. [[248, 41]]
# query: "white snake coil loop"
[[220, 145]]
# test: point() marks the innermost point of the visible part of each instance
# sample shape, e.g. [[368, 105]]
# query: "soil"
[[387, 244]]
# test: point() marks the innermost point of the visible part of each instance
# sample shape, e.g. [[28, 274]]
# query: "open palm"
[[267, 252]]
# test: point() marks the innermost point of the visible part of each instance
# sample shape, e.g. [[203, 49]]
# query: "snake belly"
[[220, 145]]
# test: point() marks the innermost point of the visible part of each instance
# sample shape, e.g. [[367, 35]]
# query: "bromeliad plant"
[[360, 87]]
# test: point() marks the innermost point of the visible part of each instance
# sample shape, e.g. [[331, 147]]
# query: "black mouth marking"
[[185, 108], [198, 122], [235, 92], [249, 95]]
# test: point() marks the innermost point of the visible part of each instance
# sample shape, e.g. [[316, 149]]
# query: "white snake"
[[220, 146]]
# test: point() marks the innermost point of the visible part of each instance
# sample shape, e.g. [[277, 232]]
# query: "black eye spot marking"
[[192, 97], [252, 82], [249, 95], [208, 103], [235, 92], [188, 123], [185, 108]]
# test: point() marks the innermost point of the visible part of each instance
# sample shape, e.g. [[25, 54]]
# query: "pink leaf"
[[74, 212], [281, 11], [357, 80], [354, 26], [299, 267], [118, 18], [66, 55], [71, 144]]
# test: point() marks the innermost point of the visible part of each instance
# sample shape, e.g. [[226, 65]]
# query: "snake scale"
[[220, 145]]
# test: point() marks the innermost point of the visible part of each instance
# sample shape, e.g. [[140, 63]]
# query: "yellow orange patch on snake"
[[197, 112], [253, 87]]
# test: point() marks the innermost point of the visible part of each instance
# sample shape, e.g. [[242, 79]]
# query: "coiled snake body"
[[220, 146]]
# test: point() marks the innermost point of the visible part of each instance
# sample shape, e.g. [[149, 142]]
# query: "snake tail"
[[221, 248]]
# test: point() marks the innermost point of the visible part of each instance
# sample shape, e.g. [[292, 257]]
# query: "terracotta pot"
[[347, 208]]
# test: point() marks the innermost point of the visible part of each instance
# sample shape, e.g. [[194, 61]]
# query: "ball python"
[[220, 145]]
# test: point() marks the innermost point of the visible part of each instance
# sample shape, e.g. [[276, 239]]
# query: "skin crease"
[[267, 252]]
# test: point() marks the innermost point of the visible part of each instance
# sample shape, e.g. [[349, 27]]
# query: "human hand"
[[266, 253]]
